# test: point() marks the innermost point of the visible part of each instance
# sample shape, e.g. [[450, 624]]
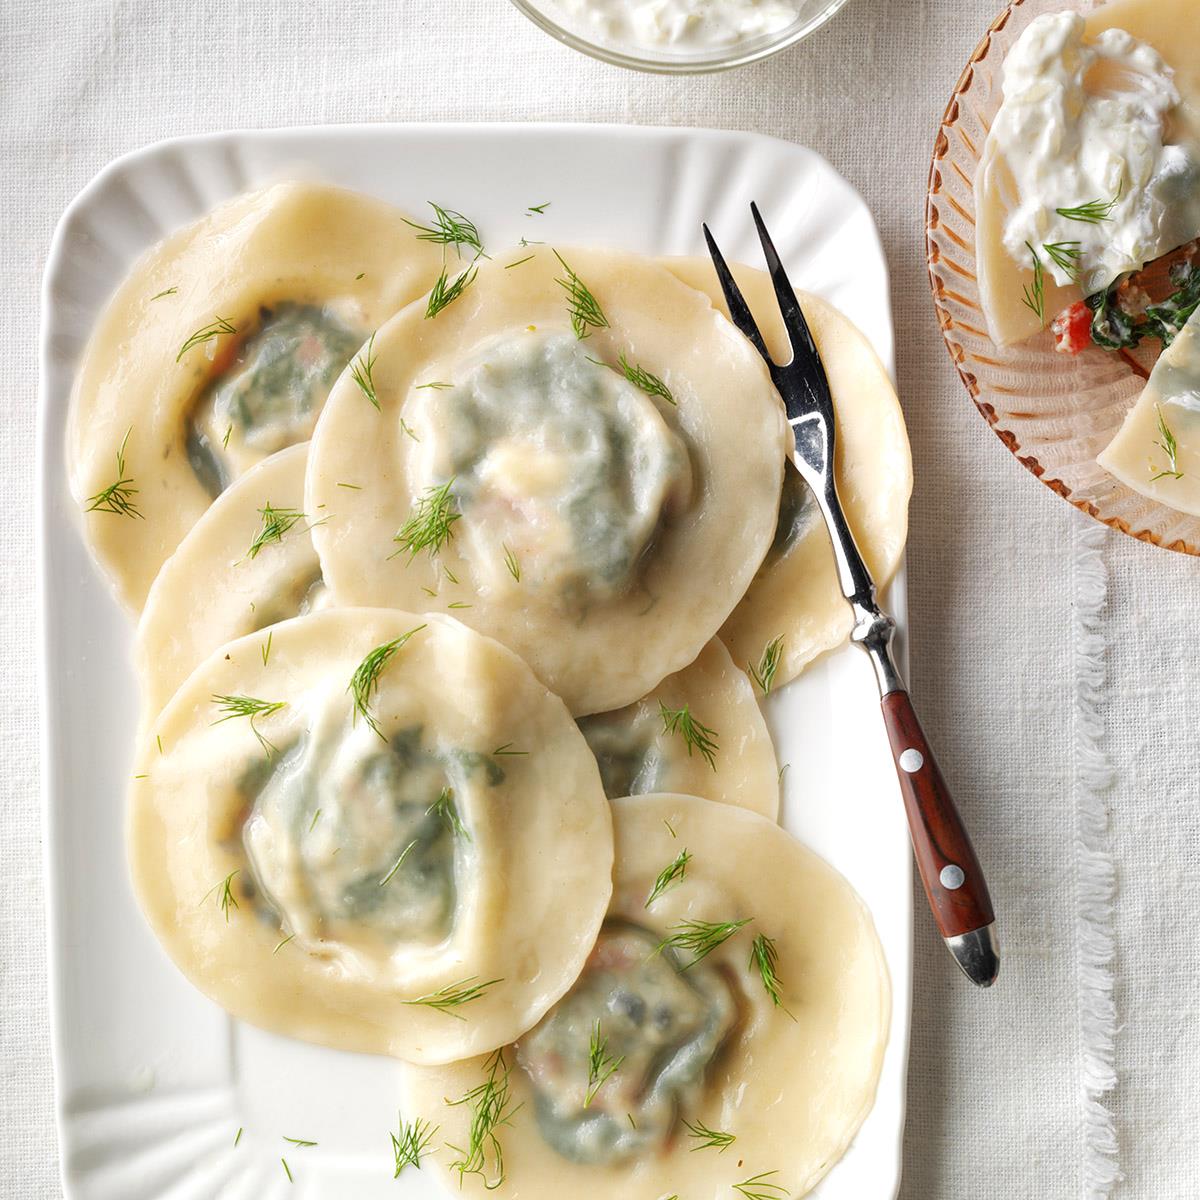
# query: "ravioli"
[[571, 481], [719, 749], [247, 563], [1156, 452], [795, 596], [670, 1043], [219, 349], [417, 866]]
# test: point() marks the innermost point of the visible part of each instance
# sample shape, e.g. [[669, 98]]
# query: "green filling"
[[627, 751]]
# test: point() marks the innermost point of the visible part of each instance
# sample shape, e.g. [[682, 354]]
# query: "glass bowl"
[[549, 15], [1054, 413]]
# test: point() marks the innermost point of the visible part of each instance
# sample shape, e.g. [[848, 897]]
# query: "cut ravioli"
[[218, 350], [656, 1046], [247, 563], [700, 732], [795, 594], [601, 521], [422, 878], [1157, 450]]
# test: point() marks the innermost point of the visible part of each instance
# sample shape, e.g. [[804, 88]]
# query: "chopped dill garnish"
[[1092, 212], [225, 439], [118, 497], [695, 735], [360, 275], [224, 893], [411, 1142], [301, 1142], [266, 647], [436, 384], [632, 1122], [165, 292], [445, 293], [398, 863], [313, 823], [520, 261], [1065, 256], [1169, 446], [669, 876], [459, 604], [768, 665], [670, 828], [708, 1139], [279, 945], [527, 242], [783, 771], [141, 776], [639, 377], [449, 574], [239, 1136], [700, 938], [158, 739], [764, 958], [354, 487], [539, 209], [277, 523], [248, 706], [510, 561], [506, 751], [489, 1106], [364, 683], [454, 995], [449, 228], [406, 428], [1034, 297], [429, 591], [757, 1187], [362, 371], [585, 310], [431, 523], [213, 329], [287, 1170], [445, 808], [602, 1066]]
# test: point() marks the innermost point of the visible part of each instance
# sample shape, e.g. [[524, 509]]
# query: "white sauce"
[[1090, 121], [681, 24]]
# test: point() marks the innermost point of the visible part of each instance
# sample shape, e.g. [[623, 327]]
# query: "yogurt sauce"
[[1088, 124], [681, 24]]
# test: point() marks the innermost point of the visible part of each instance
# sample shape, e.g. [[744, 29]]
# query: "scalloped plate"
[[154, 1081]]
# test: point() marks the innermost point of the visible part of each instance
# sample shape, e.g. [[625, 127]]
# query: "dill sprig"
[[436, 385], [669, 876], [1034, 297], [445, 808], [277, 523], [239, 1135], [757, 1187], [768, 665], [510, 561], [602, 1066], [266, 647], [639, 377], [695, 734], [446, 292], [398, 863], [764, 958], [449, 228], [1092, 212], [411, 1142], [700, 938], [287, 1170], [224, 892], [1169, 446], [213, 329], [362, 371], [537, 208], [303, 1143], [430, 525], [454, 995], [248, 706], [279, 945], [165, 292], [585, 310], [507, 751], [708, 1139], [364, 683], [489, 1105], [1065, 256], [118, 497], [520, 262]]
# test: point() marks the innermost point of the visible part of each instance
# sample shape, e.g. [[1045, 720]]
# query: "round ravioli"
[[794, 609], [247, 563], [554, 460], [737, 997], [378, 832], [219, 349], [700, 732]]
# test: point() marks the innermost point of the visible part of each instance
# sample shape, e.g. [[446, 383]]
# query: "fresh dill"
[[459, 604], [696, 736], [398, 863], [764, 958], [233, 707], [364, 683], [171, 291], [212, 330], [642, 379], [1065, 256], [411, 1142], [158, 740], [670, 828], [506, 751], [277, 523], [527, 242], [520, 261], [436, 385], [1092, 212], [313, 823], [301, 1142], [537, 209], [430, 525], [143, 776], [455, 995], [362, 371], [757, 1187], [266, 647], [1034, 297], [239, 1136], [585, 311], [118, 497], [279, 945], [489, 1104], [709, 1139], [1169, 446], [224, 893], [449, 228], [669, 876], [602, 1066], [445, 808], [782, 772], [287, 1170], [445, 292], [225, 439], [510, 561], [768, 665], [360, 275], [700, 938], [354, 487], [632, 1122]]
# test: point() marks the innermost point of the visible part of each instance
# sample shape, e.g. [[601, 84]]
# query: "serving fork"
[[954, 882]]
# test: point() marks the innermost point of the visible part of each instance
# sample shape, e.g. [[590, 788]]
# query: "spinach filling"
[[797, 512], [627, 748]]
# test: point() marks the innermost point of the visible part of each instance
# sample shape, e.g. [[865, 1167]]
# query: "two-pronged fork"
[[953, 880]]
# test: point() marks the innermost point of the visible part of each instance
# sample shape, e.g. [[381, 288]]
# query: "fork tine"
[[739, 310], [804, 349]]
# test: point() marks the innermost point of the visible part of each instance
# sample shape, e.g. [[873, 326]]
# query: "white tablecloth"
[[1049, 656]]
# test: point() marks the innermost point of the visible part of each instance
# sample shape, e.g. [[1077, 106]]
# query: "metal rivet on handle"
[[952, 877], [912, 761]]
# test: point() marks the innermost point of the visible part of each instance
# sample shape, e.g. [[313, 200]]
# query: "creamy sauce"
[[1090, 123], [681, 24]]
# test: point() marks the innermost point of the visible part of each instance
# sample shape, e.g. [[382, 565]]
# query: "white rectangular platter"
[[153, 1081]]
